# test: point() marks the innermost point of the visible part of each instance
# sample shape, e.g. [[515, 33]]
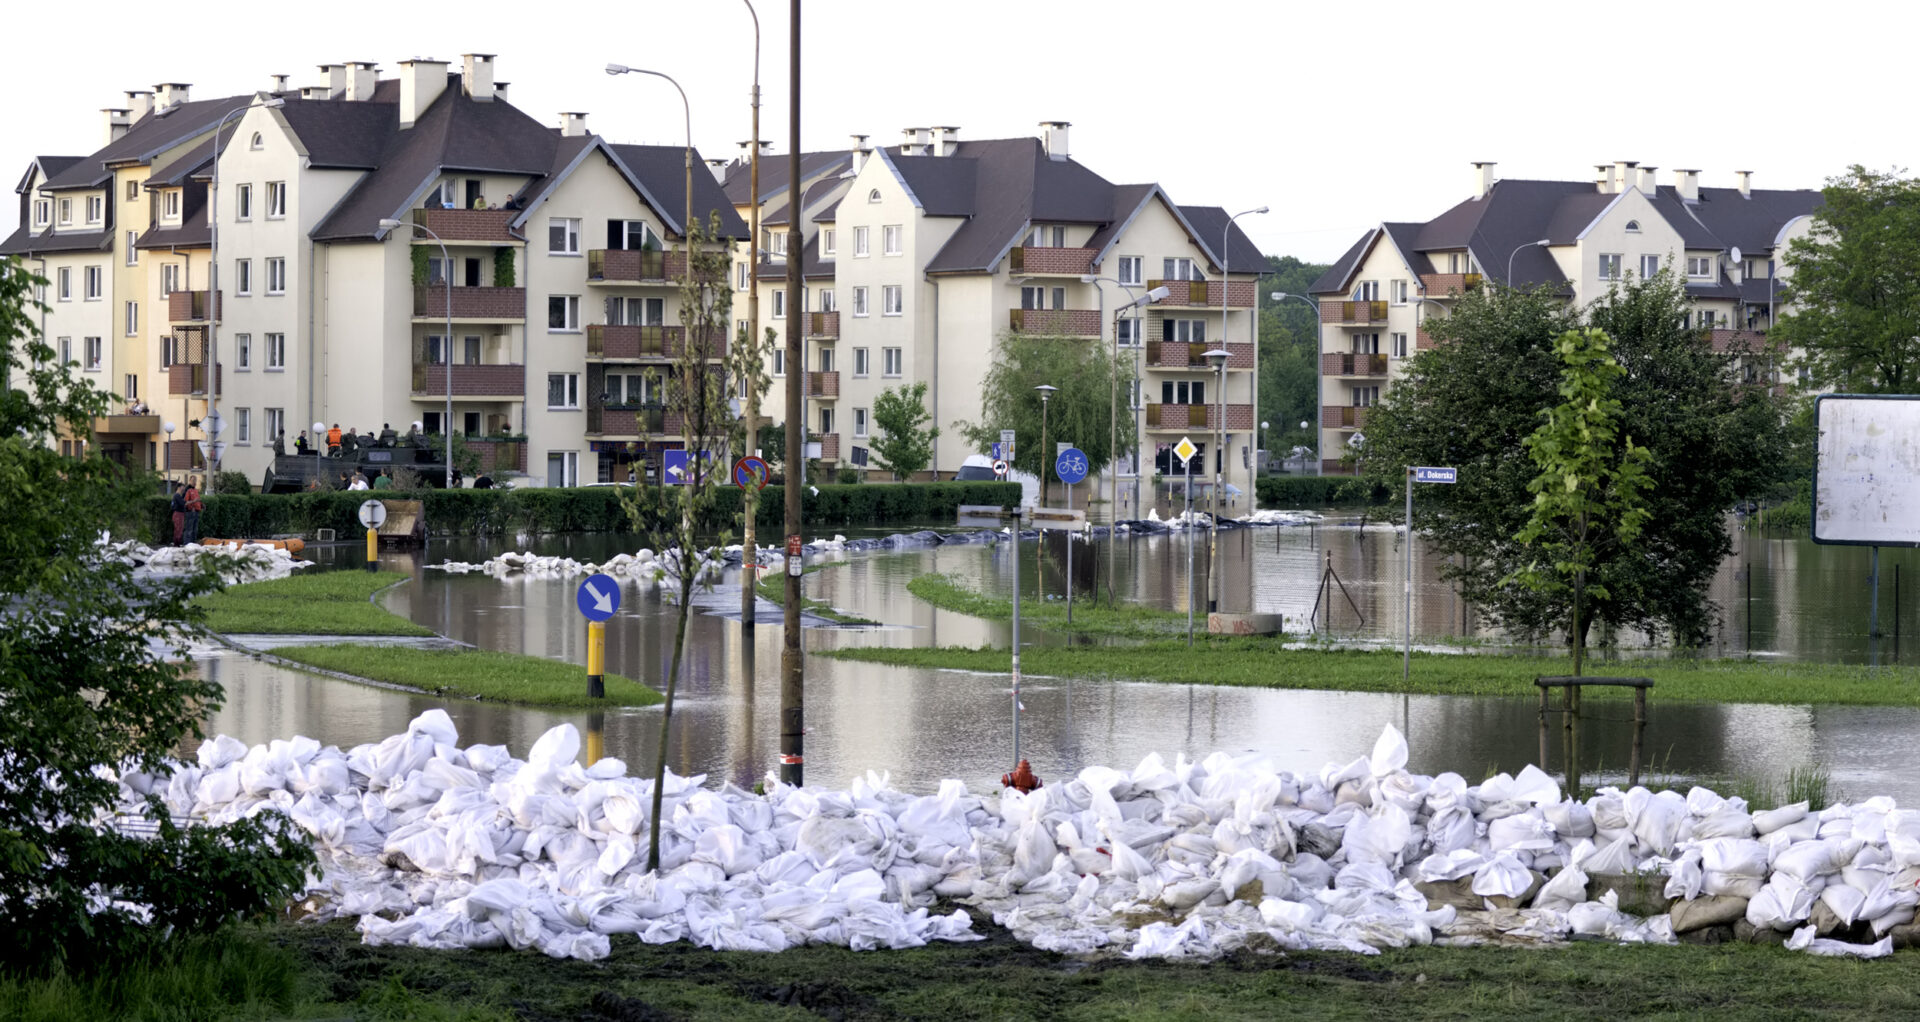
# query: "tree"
[[1855, 285], [1587, 481], [85, 685], [1473, 399], [1079, 412], [1289, 355], [904, 444]]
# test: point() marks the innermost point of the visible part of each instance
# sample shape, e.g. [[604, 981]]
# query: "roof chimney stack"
[[1686, 184], [476, 76], [1602, 176], [719, 168], [500, 91], [279, 83], [139, 104], [362, 76], [1647, 182], [913, 142], [170, 94], [946, 139], [116, 123], [858, 153], [422, 80], [1745, 177], [336, 75], [1623, 177], [1482, 178], [1053, 137], [573, 123]]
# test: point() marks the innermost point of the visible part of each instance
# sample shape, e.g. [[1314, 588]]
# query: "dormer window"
[[258, 143], [873, 196], [170, 204], [96, 208], [1633, 227], [42, 212]]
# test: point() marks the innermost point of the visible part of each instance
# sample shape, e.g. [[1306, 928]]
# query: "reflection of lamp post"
[[1218, 357], [446, 343]]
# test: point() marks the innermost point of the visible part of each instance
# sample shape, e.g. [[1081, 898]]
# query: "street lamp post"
[[749, 548], [1542, 243], [213, 282], [1318, 398], [1218, 358], [686, 225], [1226, 233], [1113, 409], [1039, 576], [446, 342]]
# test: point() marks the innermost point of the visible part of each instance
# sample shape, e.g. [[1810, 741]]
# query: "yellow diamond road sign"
[[1185, 449]]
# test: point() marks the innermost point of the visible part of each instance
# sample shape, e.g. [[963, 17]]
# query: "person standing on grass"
[[177, 506], [194, 507]]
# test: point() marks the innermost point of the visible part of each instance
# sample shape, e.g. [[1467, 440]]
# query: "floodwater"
[[1808, 602]]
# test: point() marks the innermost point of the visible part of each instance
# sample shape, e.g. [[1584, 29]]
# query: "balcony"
[[635, 266], [1182, 356], [1422, 340], [824, 385], [180, 455], [136, 424], [189, 379], [631, 420], [1205, 294], [1034, 261], [482, 226], [488, 304], [1448, 285], [823, 326], [829, 446], [1343, 417], [1350, 364], [1055, 322], [499, 455], [1186, 417], [471, 382], [1353, 313], [190, 307], [636, 342]]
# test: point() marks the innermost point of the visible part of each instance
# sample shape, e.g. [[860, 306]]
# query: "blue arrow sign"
[[599, 597], [1436, 475], [1071, 466]]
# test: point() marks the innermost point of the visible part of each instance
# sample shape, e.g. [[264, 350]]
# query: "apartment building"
[[917, 257], [1578, 238]]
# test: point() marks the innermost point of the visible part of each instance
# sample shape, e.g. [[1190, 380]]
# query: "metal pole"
[[1016, 636], [446, 263], [1188, 464], [1219, 464], [1040, 541], [749, 545], [1406, 654], [1873, 603], [1070, 535], [792, 677]]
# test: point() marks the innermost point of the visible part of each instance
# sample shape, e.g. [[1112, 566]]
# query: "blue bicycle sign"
[[1071, 466]]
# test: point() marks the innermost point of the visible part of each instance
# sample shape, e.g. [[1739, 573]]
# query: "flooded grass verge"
[[773, 589], [1132, 621], [473, 674], [1268, 663], [326, 603]]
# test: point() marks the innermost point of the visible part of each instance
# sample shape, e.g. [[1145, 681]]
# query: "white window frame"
[[243, 277], [66, 211], [169, 279], [1179, 268], [569, 239], [243, 425], [1699, 267], [874, 195], [42, 212], [276, 352], [96, 208], [276, 200], [779, 303], [860, 422], [570, 314], [827, 242], [275, 421], [740, 276], [569, 384], [1131, 270], [893, 361], [276, 275], [860, 307], [1399, 345], [93, 283], [243, 352], [63, 284], [890, 239], [257, 143], [1649, 266], [170, 204], [1127, 332], [862, 242], [132, 318], [65, 348], [1611, 263], [861, 363], [133, 254], [893, 301], [826, 299], [1397, 291], [94, 352], [779, 361], [243, 201]]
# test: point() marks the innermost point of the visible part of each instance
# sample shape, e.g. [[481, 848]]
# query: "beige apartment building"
[[1578, 238]]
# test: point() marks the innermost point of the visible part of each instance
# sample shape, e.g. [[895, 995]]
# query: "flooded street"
[[1810, 603]]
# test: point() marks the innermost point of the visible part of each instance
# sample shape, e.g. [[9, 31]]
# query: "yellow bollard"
[[596, 737], [596, 659], [373, 550]]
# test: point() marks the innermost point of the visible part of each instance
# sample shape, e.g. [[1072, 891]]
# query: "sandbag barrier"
[[236, 561], [439, 846]]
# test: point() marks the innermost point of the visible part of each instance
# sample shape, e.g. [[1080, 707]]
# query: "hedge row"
[[593, 509], [1319, 491]]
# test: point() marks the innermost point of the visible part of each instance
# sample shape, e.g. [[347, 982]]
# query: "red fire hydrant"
[[1021, 778]]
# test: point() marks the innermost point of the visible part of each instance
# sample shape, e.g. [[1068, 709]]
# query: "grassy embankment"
[[324, 972], [1129, 621], [1265, 662], [338, 603], [773, 589]]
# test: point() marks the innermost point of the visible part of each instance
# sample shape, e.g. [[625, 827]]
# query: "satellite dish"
[[1735, 253]]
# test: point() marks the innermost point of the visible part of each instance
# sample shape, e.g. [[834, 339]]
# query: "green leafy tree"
[[1289, 354], [1474, 399], [1855, 287], [84, 684], [1079, 412], [1587, 498], [904, 443]]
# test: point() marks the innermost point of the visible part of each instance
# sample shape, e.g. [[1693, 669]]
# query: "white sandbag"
[[1734, 856], [1616, 859], [1449, 865], [1781, 905], [1843, 901], [1810, 859], [1563, 890], [1768, 821], [1657, 825], [1723, 822], [1522, 832], [1569, 819], [1389, 752], [1503, 876], [1804, 940]]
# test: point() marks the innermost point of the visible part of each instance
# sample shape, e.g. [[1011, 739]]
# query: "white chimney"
[[116, 123], [336, 75], [1687, 184], [945, 140], [1623, 175], [1647, 182], [1053, 136], [913, 142], [314, 92], [573, 123], [139, 104], [1482, 178], [362, 76], [858, 152], [746, 151], [1602, 178], [279, 83], [170, 94], [719, 168], [476, 76], [422, 80], [500, 91], [1745, 178]]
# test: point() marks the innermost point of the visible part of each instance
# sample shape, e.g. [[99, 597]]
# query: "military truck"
[[292, 473]]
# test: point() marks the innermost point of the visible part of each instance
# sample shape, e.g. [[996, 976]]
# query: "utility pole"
[[792, 677], [749, 543]]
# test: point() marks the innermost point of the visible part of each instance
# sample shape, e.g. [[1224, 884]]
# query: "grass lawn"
[[476, 674], [327, 603], [947, 593], [773, 589], [288, 971]]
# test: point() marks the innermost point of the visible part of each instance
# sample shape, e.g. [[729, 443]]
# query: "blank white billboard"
[[1866, 470]]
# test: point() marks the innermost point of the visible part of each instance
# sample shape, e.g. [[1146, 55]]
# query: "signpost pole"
[[1016, 636], [598, 598], [596, 662], [373, 549], [1070, 559], [1187, 464], [1406, 654]]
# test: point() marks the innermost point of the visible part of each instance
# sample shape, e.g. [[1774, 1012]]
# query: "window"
[[1399, 345], [563, 390], [1364, 344], [1649, 266], [258, 141], [66, 212], [63, 284], [636, 311], [779, 361], [243, 202], [1032, 297], [740, 276], [859, 422], [775, 242], [890, 361], [1364, 397], [276, 352], [243, 425], [93, 348], [891, 301], [1367, 291], [92, 276], [1700, 267], [132, 386], [630, 235], [66, 351], [1189, 331], [1182, 392], [170, 204], [1129, 271], [1047, 237], [563, 468], [826, 300], [42, 212], [563, 236], [276, 422], [859, 301], [1397, 292], [133, 319], [873, 196], [439, 271], [1633, 227], [133, 191], [1459, 262], [276, 275], [96, 208], [860, 242], [827, 242], [826, 420], [859, 361], [470, 350], [169, 279], [563, 313], [243, 352], [1180, 269], [890, 239], [1126, 333], [1610, 266], [779, 303], [276, 199]]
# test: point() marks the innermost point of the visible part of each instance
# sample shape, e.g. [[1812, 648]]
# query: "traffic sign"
[[1436, 475], [1000, 469], [750, 471], [598, 597], [1071, 466], [1185, 450], [795, 563], [372, 513]]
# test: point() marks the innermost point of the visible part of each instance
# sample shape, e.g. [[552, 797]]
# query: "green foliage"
[[420, 265], [322, 603], [949, 592], [85, 685], [1587, 499], [1289, 355], [473, 674], [1080, 412], [232, 482], [904, 434], [848, 476], [1855, 285], [503, 268], [1320, 491], [1473, 399]]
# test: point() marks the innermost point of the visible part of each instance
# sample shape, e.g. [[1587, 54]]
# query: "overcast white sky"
[[1338, 116]]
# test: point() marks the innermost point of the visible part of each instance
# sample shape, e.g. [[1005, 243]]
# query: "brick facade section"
[[488, 226], [1349, 364], [187, 378], [430, 302], [1358, 313], [498, 455], [618, 423], [823, 325], [633, 342], [1055, 322], [190, 307], [1183, 356], [1194, 294], [180, 454], [632, 265], [1181, 417], [1343, 417], [829, 446], [823, 384], [1444, 285], [471, 381], [1063, 261]]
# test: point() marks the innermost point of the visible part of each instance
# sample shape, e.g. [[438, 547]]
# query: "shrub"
[[1319, 491]]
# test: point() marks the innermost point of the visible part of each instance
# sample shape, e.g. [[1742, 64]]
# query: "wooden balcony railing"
[[489, 303], [1351, 364], [634, 266], [470, 381], [191, 307], [1343, 417], [823, 326], [486, 226], [608, 341], [1055, 322], [1050, 262], [1353, 313], [1448, 285], [1205, 294]]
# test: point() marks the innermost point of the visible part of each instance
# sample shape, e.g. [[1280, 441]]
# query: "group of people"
[[345, 445], [185, 505]]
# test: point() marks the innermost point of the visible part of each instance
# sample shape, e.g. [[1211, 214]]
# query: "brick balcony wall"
[[185, 378], [430, 300], [1055, 322], [634, 266], [1343, 417], [471, 380], [1186, 356], [1195, 294], [823, 324], [500, 455], [488, 226], [634, 342], [829, 446], [1061, 261], [627, 422], [1350, 364], [823, 384], [191, 307], [1166, 416], [1444, 285]]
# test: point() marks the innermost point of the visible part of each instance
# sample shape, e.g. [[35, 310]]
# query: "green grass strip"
[[325, 603], [773, 589], [1265, 663], [471, 673], [1130, 621]]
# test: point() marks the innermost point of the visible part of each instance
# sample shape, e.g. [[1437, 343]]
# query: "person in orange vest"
[[333, 440]]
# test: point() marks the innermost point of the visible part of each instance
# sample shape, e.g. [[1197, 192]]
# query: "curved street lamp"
[[1542, 243]]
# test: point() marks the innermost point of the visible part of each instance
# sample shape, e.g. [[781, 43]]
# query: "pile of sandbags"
[[235, 562]]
